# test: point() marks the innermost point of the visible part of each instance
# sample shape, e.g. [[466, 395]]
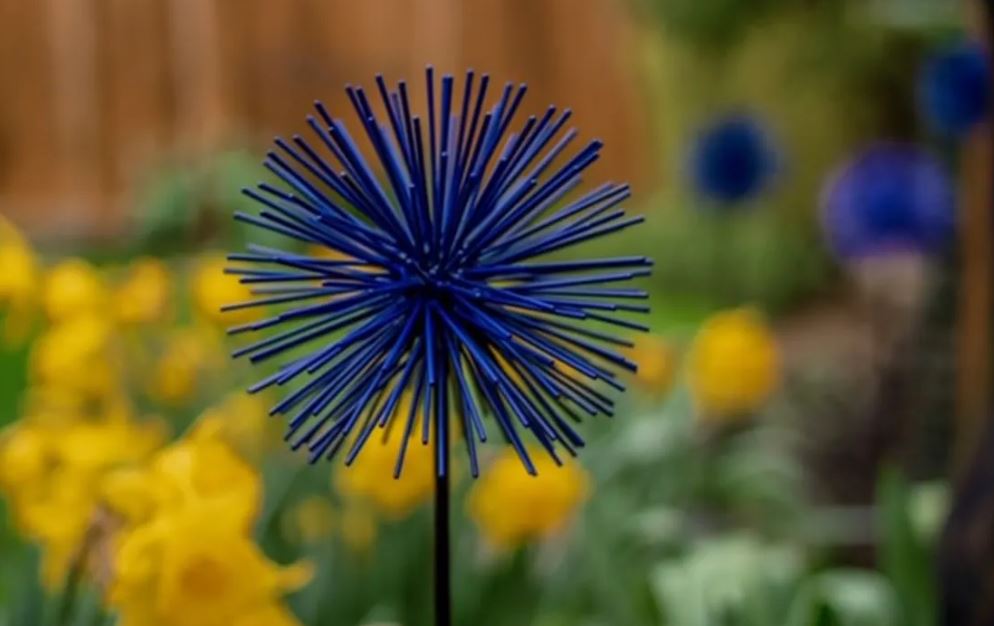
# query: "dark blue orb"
[[891, 198], [955, 88], [732, 159]]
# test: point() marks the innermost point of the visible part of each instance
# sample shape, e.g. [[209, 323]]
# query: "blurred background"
[[808, 439]]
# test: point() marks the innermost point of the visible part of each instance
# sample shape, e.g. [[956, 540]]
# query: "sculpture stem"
[[443, 578]]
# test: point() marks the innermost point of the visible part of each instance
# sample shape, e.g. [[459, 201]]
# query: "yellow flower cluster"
[[185, 556], [512, 507], [188, 356], [77, 424], [145, 295], [165, 531], [74, 288], [18, 282], [734, 365], [51, 468]]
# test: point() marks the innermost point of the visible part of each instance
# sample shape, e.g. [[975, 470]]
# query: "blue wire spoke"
[[489, 271], [386, 413], [412, 418], [545, 247], [565, 434]]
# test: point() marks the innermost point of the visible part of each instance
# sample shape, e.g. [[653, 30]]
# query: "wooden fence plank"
[[108, 88]]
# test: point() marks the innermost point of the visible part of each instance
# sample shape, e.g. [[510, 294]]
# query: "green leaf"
[[903, 556]]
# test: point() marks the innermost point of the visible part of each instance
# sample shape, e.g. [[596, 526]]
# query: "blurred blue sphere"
[[732, 159], [891, 198], [955, 88]]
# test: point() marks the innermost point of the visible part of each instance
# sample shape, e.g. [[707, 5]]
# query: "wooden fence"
[[97, 92]]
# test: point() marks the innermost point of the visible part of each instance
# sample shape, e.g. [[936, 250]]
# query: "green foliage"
[[189, 206], [13, 379], [904, 556], [715, 24], [760, 257]]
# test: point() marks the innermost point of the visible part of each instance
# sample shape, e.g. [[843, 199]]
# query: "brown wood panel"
[[106, 89]]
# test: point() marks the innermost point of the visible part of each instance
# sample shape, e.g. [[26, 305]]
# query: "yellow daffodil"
[[213, 288], [657, 364], [77, 355], [370, 477], [145, 294], [198, 470], [188, 355], [309, 521], [512, 507], [18, 282], [734, 365], [51, 475], [194, 566], [72, 288], [185, 555], [25, 451], [57, 518]]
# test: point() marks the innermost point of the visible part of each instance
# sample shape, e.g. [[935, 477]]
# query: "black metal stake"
[[443, 577]]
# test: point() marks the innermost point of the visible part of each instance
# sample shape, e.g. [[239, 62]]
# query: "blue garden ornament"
[[444, 291], [732, 160], [955, 88], [891, 198]]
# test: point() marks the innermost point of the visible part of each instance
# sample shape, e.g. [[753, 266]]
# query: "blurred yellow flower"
[[18, 282], [370, 478], [734, 364], [98, 446], [185, 556], [73, 287], [309, 521], [188, 355], [512, 507], [23, 457], [196, 471], [657, 363], [213, 289], [145, 294], [77, 355], [195, 566], [57, 519], [50, 473]]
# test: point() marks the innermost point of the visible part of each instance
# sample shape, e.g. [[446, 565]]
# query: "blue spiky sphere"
[[437, 292], [732, 159], [954, 88], [889, 198]]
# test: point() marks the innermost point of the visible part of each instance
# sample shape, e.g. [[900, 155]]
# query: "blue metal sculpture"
[[439, 293], [889, 198], [732, 160], [955, 88]]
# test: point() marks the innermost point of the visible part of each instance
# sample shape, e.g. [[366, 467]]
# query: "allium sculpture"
[[890, 198], [732, 159], [440, 293], [955, 88]]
